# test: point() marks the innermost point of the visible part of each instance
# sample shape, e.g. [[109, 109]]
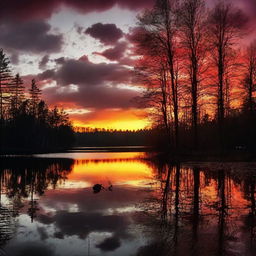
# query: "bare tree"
[[249, 81], [159, 25], [225, 26], [193, 32], [153, 72]]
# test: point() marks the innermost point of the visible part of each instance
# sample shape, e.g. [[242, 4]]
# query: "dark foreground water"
[[48, 206]]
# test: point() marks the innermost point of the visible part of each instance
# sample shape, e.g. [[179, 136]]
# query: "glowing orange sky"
[[131, 119]]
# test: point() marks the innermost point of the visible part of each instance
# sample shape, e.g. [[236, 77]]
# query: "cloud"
[[92, 97], [248, 6], [14, 58], [106, 33], [96, 84], [60, 61], [32, 36], [31, 9], [83, 72], [115, 53], [43, 62], [85, 200]]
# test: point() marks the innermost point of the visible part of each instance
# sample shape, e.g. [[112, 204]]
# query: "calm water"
[[48, 206]]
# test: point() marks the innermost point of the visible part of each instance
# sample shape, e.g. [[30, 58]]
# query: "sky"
[[80, 53]]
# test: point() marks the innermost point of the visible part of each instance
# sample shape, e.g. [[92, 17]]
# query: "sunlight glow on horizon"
[[115, 125], [113, 119]]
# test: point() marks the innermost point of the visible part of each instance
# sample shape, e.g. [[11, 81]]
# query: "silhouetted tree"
[[159, 43], [225, 27], [249, 81], [193, 34], [17, 94], [35, 94], [5, 78]]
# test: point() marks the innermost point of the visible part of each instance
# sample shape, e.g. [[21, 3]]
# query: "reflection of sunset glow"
[[116, 172]]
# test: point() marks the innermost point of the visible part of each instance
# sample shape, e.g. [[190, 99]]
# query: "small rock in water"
[[97, 188]]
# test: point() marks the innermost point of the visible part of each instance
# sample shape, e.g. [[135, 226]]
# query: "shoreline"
[[150, 153]]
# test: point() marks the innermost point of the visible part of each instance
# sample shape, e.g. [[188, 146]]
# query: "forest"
[[27, 124], [199, 70], [104, 137]]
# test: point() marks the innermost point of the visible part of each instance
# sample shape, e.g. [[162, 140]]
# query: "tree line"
[[103, 137], [27, 124], [200, 80]]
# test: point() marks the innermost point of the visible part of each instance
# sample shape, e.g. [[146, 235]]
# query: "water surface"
[[146, 207]]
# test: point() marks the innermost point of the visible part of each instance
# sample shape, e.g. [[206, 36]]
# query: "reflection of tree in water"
[[24, 175], [198, 211], [26, 178], [7, 225], [250, 219]]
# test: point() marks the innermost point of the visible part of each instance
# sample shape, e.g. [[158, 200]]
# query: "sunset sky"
[[81, 55]]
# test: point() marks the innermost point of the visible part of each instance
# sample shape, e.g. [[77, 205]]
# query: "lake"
[[144, 207]]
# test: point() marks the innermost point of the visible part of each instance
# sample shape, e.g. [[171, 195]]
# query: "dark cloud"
[[96, 97], [50, 73], [109, 244], [83, 72], [32, 36], [248, 6], [43, 62], [106, 33], [85, 223], [60, 60], [30, 9], [115, 53], [97, 84]]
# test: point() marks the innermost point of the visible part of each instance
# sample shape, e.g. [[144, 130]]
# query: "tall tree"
[[226, 25], [159, 25], [35, 94], [249, 81], [17, 93], [193, 33], [5, 78]]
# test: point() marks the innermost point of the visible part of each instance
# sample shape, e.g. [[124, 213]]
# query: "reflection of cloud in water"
[[81, 224], [101, 213], [86, 201], [30, 249], [109, 244]]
